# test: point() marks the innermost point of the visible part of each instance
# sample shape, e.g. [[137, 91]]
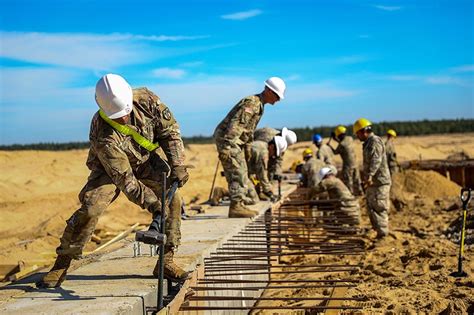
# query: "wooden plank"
[[117, 238], [337, 292]]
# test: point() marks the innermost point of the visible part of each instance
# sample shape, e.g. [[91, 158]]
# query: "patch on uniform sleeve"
[[249, 110], [166, 114]]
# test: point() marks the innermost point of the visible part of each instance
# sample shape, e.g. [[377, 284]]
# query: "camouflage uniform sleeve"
[[239, 123], [262, 173], [338, 150], [117, 166], [375, 153], [168, 135]]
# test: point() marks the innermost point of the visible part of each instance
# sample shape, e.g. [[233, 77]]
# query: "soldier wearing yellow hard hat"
[[376, 176], [310, 168], [350, 168], [392, 161]]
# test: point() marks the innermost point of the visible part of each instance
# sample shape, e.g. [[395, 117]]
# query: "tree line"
[[403, 128]]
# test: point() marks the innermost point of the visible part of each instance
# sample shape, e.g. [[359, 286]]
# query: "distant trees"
[[403, 128]]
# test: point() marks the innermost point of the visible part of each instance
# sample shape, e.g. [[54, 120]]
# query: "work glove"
[[248, 151], [179, 174]]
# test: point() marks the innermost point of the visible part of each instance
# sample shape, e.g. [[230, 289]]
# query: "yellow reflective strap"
[[123, 129]]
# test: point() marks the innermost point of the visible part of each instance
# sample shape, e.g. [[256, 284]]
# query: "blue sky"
[[341, 59]]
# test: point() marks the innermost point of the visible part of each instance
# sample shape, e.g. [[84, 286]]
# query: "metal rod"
[[252, 288], [248, 298], [237, 308]]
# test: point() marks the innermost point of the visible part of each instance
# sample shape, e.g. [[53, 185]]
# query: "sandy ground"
[[38, 192]]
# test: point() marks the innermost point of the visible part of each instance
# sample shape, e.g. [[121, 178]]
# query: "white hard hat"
[[280, 144], [324, 172], [289, 135], [277, 85], [114, 96]]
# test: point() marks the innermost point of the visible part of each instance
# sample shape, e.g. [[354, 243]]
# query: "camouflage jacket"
[[237, 128], [325, 154], [375, 161], [120, 156], [335, 188], [310, 171], [391, 153], [258, 164], [346, 150], [265, 134]]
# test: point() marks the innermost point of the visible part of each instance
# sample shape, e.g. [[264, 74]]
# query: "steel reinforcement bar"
[[301, 246]]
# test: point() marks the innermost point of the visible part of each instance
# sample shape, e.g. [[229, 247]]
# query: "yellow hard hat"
[[295, 165], [361, 123], [340, 130], [392, 132], [307, 152]]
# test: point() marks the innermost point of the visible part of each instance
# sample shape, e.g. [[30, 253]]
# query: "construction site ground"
[[406, 273]]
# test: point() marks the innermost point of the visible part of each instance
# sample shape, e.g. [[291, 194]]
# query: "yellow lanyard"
[[123, 129]]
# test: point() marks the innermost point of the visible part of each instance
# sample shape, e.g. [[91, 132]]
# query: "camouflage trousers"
[[274, 166], [236, 173], [378, 205], [351, 209], [98, 193], [351, 177]]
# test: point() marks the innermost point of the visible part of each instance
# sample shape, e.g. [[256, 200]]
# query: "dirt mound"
[[424, 184]]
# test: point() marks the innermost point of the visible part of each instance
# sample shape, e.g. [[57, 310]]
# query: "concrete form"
[[118, 283]]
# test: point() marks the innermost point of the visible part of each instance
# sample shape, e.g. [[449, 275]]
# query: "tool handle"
[[465, 197]]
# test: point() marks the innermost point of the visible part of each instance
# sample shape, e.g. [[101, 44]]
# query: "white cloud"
[[364, 36], [218, 93], [431, 79], [238, 16], [87, 51], [387, 8], [191, 64], [443, 80], [463, 68], [350, 59], [169, 73], [404, 77], [293, 77]]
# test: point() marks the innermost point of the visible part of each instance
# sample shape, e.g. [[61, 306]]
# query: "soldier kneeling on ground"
[[262, 152], [336, 189]]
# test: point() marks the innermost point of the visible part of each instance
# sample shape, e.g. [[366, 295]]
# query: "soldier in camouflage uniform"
[[120, 164], [310, 169], [266, 134], [234, 136], [336, 189], [324, 153], [262, 152], [376, 176], [392, 161], [350, 170]]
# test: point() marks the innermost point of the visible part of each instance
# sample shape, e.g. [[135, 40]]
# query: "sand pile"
[[422, 184]]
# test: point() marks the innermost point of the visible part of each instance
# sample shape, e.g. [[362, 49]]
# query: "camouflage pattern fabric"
[[325, 154], [310, 171], [378, 206], [266, 134], [119, 164], [391, 156], [231, 136], [336, 189], [258, 164], [350, 170], [378, 194]]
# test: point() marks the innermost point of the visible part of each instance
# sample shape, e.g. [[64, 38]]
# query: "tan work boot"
[[238, 210], [171, 270], [57, 274]]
